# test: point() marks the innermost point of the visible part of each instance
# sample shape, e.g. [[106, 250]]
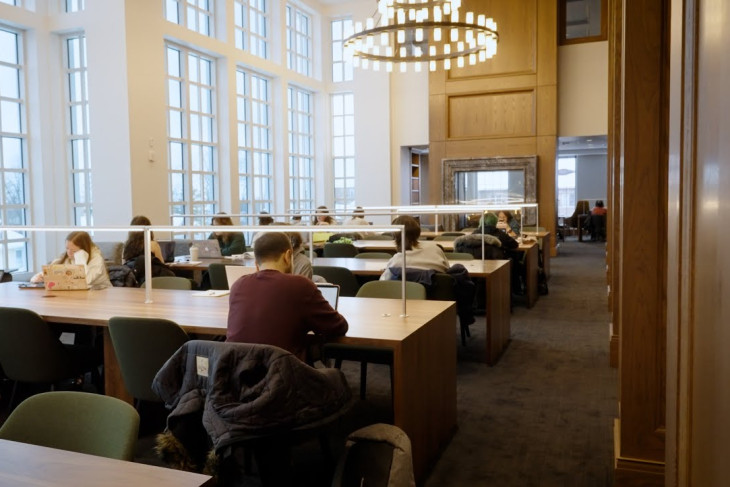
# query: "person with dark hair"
[[599, 209], [322, 218], [419, 255], [230, 242], [358, 217], [134, 246], [508, 249], [507, 222], [595, 222], [81, 250], [265, 219], [275, 307]]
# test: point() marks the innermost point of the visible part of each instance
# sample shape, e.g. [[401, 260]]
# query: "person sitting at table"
[[301, 265], [275, 307], [595, 222], [230, 242], [81, 250], [264, 220], [419, 255], [322, 218], [134, 245], [358, 217], [508, 248], [507, 222]]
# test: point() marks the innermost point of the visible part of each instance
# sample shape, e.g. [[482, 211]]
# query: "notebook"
[[331, 293], [64, 277], [208, 249], [235, 272]]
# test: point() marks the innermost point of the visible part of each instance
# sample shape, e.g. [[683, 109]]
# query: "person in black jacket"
[[488, 226]]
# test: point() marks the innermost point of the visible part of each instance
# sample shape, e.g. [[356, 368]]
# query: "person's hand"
[[80, 257], [37, 278]]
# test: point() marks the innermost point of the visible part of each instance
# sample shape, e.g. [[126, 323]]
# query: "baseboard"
[[634, 472]]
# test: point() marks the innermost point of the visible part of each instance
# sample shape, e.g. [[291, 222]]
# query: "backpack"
[[157, 269]]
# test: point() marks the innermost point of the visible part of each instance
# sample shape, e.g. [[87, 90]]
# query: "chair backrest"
[[218, 278], [339, 250], [75, 421], [29, 351], [458, 256], [392, 290], [168, 282], [142, 346], [341, 276], [373, 255], [111, 251], [442, 287], [380, 453]]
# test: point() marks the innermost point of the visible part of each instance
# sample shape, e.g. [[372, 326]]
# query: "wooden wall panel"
[[517, 51], [485, 115], [639, 301], [506, 106]]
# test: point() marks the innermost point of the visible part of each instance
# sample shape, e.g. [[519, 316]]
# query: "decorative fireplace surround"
[[527, 164]]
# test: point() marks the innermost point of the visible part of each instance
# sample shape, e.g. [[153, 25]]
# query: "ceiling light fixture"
[[426, 33]]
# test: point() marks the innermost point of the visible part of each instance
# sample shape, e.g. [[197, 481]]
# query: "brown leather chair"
[[582, 208]]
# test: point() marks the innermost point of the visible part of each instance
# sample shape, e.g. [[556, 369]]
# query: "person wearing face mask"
[[275, 307], [82, 251]]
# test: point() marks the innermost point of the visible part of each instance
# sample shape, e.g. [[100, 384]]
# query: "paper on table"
[[187, 262], [212, 293]]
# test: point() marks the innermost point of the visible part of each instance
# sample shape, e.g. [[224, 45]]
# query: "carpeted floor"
[[541, 417]]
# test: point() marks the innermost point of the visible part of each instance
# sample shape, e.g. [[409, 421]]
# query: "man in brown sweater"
[[275, 307]]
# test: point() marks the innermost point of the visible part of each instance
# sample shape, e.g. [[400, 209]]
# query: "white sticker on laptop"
[[201, 364]]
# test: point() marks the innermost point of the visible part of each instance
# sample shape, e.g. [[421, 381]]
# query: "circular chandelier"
[[422, 32]]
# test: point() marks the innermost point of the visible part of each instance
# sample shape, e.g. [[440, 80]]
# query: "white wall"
[[583, 89]]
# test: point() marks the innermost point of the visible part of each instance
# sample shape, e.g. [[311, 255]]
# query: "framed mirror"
[[490, 181]]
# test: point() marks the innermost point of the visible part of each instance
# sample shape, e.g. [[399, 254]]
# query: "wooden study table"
[[424, 355], [530, 248], [496, 273], [22, 464]]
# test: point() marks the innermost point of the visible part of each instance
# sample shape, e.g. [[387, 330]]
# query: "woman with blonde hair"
[[81, 250]]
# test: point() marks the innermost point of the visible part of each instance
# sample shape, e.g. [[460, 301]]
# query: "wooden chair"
[[75, 421]]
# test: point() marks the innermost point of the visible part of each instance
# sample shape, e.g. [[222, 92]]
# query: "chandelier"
[[423, 33]]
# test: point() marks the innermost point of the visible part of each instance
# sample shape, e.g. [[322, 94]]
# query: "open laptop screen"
[[331, 293]]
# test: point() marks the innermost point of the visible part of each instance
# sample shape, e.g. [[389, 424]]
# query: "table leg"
[[497, 313], [531, 266], [424, 389]]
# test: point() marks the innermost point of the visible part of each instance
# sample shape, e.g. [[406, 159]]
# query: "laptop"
[[331, 293], [208, 249], [235, 272], [64, 277]]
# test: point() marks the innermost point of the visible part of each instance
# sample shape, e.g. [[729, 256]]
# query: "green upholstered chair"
[[142, 346], [75, 421], [218, 278], [369, 354], [374, 255], [31, 352], [170, 282], [378, 236], [339, 250], [458, 256], [391, 290], [341, 276]]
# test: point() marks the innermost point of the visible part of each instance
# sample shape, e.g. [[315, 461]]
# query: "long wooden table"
[[22, 464], [496, 273], [530, 248], [424, 356]]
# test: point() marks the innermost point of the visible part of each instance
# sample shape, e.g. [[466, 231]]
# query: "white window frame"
[[196, 15], [343, 150], [301, 148], [342, 67], [192, 150], [78, 135], [566, 186], [299, 41], [255, 143], [74, 5], [14, 147], [251, 17]]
